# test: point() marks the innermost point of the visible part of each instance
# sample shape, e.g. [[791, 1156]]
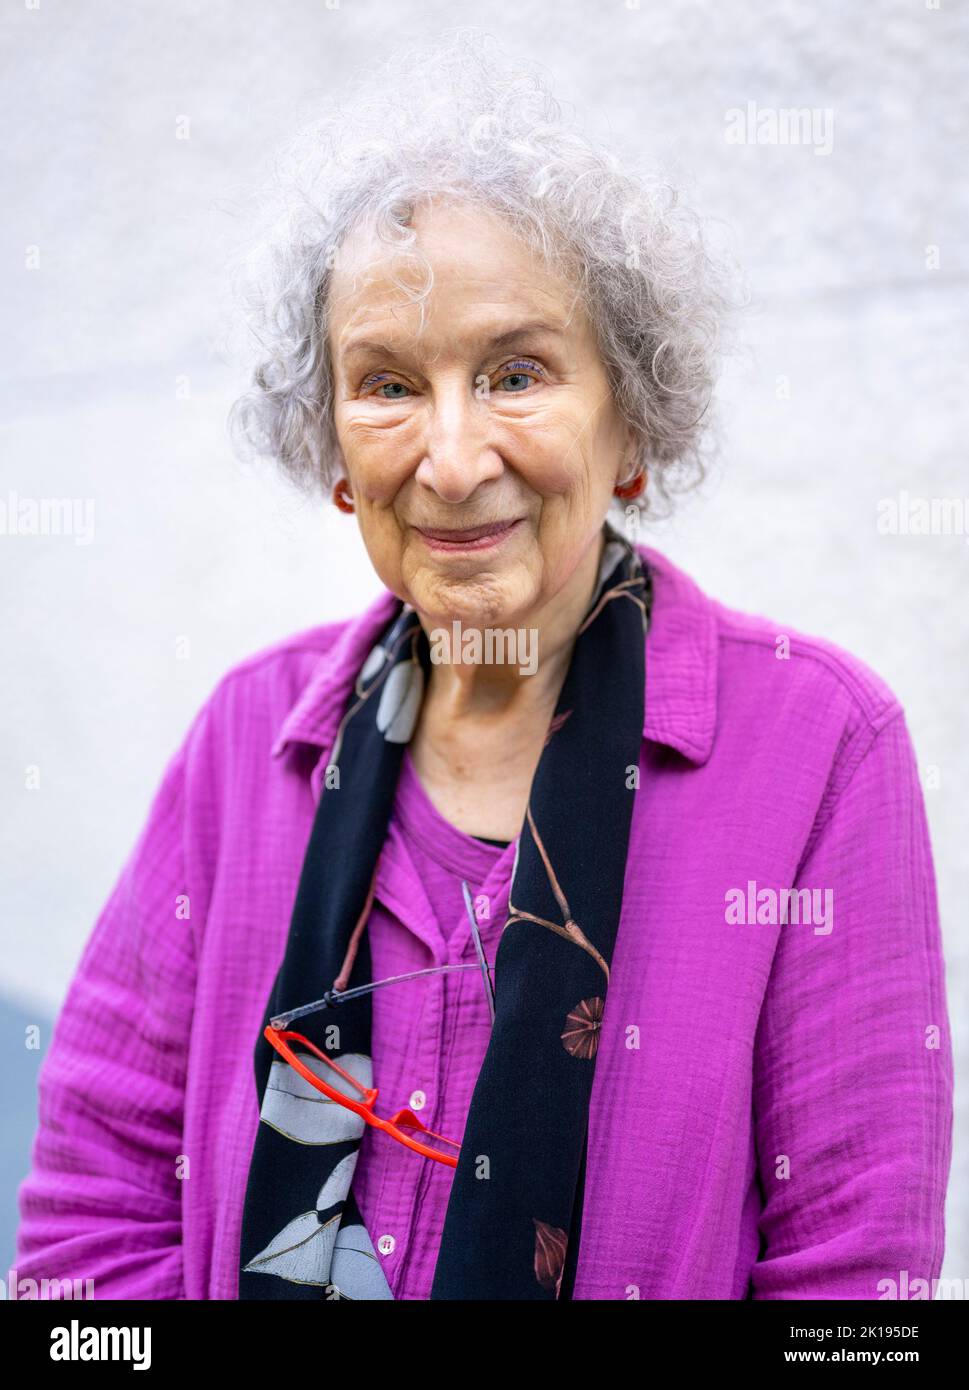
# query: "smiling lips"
[[471, 538]]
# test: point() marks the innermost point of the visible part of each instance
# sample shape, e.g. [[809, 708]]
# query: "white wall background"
[[134, 226]]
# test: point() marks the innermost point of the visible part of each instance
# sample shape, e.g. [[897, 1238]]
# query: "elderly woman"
[[548, 929]]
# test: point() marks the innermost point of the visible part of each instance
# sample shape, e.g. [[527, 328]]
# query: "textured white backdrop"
[[853, 387]]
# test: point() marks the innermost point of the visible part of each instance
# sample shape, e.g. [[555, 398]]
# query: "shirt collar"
[[682, 646], [681, 668]]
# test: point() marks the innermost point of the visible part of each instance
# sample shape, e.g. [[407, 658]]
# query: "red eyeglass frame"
[[280, 1038]]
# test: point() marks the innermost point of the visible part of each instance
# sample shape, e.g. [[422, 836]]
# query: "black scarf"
[[516, 1234]]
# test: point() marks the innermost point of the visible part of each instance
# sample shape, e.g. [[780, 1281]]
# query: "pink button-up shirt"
[[771, 1113]]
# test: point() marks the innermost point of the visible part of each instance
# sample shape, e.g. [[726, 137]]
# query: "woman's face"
[[495, 409]]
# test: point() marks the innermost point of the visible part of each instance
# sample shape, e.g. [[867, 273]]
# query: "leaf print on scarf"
[[301, 1112], [568, 928], [356, 1271], [378, 670], [400, 701], [374, 663], [303, 1249], [581, 1035], [550, 1247]]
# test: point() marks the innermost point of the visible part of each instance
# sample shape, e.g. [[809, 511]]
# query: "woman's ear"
[[629, 453]]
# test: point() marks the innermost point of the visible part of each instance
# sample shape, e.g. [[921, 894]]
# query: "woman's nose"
[[459, 453]]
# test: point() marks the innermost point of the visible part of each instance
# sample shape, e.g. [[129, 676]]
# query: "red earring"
[[631, 489], [342, 496]]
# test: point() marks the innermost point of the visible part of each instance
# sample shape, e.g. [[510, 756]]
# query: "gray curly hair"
[[458, 119]]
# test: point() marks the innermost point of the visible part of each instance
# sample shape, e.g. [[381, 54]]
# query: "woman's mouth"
[[471, 537]]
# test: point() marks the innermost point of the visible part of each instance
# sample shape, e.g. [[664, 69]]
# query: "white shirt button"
[[386, 1245], [418, 1100]]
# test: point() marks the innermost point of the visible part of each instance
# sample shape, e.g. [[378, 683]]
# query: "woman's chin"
[[478, 603]]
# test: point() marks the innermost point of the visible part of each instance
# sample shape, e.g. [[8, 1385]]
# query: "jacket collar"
[[682, 647], [681, 668]]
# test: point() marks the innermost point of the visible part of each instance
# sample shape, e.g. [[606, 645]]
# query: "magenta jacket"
[[772, 1108]]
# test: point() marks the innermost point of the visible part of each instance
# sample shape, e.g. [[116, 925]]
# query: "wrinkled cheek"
[[379, 488], [561, 471]]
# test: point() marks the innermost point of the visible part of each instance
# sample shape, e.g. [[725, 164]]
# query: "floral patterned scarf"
[[514, 1214]]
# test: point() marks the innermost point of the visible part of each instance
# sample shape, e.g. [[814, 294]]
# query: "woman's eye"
[[518, 375], [395, 388], [516, 381]]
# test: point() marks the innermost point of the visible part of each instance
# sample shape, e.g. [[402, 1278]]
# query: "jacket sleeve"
[[102, 1199], [853, 1056]]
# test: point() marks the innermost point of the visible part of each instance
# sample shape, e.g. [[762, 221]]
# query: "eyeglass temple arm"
[[482, 959], [333, 997]]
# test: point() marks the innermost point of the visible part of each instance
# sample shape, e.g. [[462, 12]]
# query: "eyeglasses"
[[337, 1084]]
